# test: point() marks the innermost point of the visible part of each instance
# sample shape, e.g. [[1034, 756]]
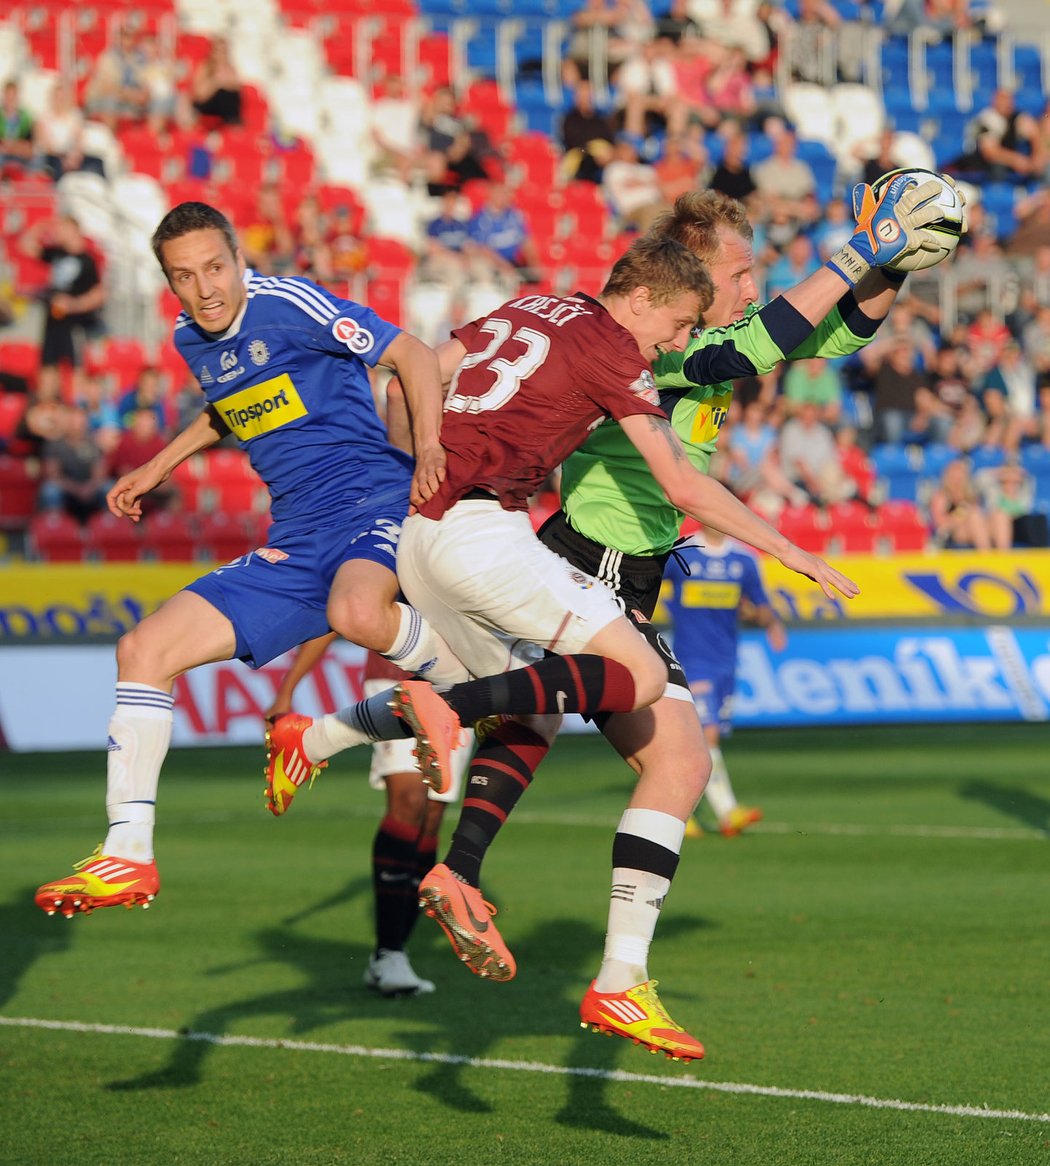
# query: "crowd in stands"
[[946, 412]]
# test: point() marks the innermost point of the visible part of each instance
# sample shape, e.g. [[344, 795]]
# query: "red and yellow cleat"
[[434, 725], [693, 829], [638, 1015], [287, 765], [101, 881], [466, 918], [738, 819]]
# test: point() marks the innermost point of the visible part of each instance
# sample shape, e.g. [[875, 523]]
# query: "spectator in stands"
[[163, 104], [735, 23], [394, 118], [729, 92], [59, 134], [448, 233], [17, 146], [814, 381], [140, 440], [624, 25], [809, 457], [646, 91], [958, 519], [676, 23], [267, 239], [986, 337], [797, 263], [1018, 409], [905, 409], [785, 182], [146, 393], [810, 47], [733, 175], [1033, 225], [1001, 143], [118, 86], [631, 186], [450, 153], [902, 323], [44, 416], [855, 463], [91, 394], [952, 390], [215, 87], [1035, 341], [833, 229], [983, 276], [73, 469], [586, 135], [683, 166], [74, 294], [1008, 495], [499, 247]]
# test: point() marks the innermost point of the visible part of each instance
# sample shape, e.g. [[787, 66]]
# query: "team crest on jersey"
[[262, 407], [271, 554], [645, 387], [206, 378], [230, 367], [258, 353], [584, 582], [349, 332]]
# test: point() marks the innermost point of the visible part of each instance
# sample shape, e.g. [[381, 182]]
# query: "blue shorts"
[[276, 597], [713, 697]]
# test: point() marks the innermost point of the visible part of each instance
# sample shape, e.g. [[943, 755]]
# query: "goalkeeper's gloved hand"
[[888, 226]]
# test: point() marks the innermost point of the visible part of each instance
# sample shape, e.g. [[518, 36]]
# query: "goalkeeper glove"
[[888, 226]]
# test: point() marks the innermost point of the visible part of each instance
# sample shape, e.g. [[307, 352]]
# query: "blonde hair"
[[697, 216]]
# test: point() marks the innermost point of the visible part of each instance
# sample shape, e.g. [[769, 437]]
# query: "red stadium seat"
[[170, 536], [18, 490], [113, 540], [386, 297], [12, 406], [806, 527], [119, 358], [20, 359], [901, 527], [223, 537], [852, 527], [55, 537]]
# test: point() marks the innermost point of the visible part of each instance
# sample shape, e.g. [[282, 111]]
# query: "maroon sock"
[[394, 881]]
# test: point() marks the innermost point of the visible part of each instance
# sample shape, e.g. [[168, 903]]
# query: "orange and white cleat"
[[434, 725], [102, 880], [738, 819], [287, 765], [638, 1015], [466, 918]]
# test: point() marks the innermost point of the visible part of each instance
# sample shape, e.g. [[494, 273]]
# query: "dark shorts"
[[276, 597], [635, 580]]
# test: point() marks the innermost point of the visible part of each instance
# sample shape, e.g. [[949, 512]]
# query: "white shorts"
[[396, 756], [482, 578]]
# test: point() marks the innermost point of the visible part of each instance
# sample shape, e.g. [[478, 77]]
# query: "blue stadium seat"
[[1036, 459], [984, 456], [950, 136], [935, 457], [897, 468], [1000, 201], [984, 66]]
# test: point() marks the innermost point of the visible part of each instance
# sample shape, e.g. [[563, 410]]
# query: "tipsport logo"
[[262, 408]]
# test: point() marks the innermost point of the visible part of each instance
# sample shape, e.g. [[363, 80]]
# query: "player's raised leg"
[[184, 632]]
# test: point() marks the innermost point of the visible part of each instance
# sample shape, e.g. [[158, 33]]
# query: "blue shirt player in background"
[[283, 366], [709, 589]]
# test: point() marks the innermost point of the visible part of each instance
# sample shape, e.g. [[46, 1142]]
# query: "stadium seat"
[[900, 527], [851, 527], [806, 527], [170, 536], [20, 359], [986, 456], [12, 406], [898, 471], [18, 490], [935, 457], [55, 537], [111, 539]]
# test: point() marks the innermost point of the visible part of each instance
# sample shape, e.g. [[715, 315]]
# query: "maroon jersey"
[[539, 374], [379, 668]]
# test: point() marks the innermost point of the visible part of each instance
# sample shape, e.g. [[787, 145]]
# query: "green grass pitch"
[[869, 970]]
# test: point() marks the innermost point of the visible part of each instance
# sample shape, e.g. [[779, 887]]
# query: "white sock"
[[370, 720], [139, 735], [719, 791], [420, 650], [635, 903]]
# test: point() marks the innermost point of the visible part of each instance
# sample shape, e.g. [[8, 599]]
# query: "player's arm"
[[711, 504], [416, 366], [125, 496], [306, 657]]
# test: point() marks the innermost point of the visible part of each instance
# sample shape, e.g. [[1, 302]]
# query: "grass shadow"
[[1021, 804]]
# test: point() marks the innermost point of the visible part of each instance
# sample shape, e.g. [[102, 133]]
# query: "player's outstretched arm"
[[306, 656], [711, 504], [125, 496], [416, 366]]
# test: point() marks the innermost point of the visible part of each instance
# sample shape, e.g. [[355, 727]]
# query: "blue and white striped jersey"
[[289, 379]]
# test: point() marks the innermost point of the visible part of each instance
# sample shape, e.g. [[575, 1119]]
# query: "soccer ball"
[[945, 231]]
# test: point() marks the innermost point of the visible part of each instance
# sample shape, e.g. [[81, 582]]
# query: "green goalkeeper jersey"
[[607, 490]]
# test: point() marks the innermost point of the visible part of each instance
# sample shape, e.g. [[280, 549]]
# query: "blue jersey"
[[704, 605], [289, 380]]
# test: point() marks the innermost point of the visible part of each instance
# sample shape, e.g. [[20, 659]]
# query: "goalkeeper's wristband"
[[849, 264]]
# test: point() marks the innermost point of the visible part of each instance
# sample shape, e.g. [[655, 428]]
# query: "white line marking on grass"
[[254, 1042]]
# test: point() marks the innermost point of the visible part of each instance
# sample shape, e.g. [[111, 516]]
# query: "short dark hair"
[[187, 217], [664, 266]]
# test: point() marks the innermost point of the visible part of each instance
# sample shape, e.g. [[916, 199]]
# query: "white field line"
[[619, 1075], [602, 822]]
